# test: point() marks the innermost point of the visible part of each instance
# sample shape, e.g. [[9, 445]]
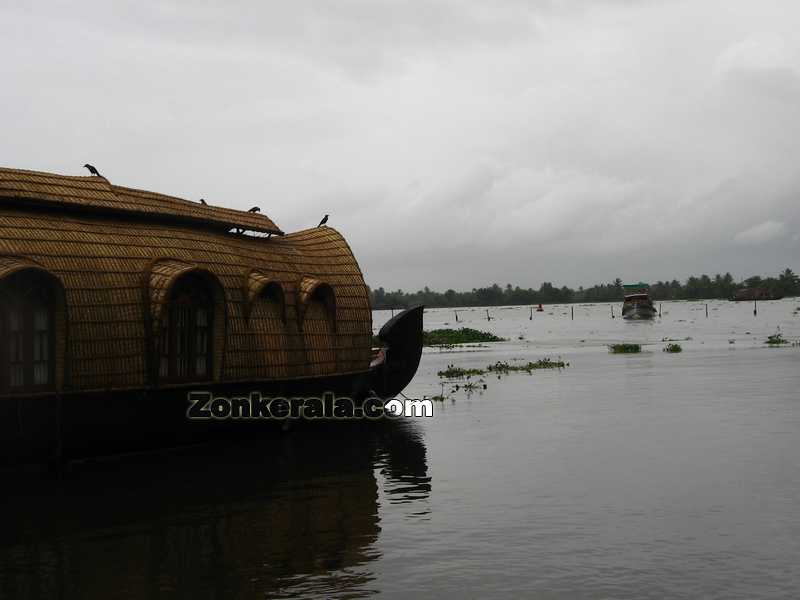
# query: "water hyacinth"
[[625, 348]]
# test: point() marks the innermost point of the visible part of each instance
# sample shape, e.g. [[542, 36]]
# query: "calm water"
[[623, 476]]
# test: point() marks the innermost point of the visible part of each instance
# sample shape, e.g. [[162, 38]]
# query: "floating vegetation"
[[447, 339], [777, 339], [501, 368], [441, 397], [624, 348], [471, 386], [505, 368], [453, 372], [465, 335], [673, 348], [471, 347]]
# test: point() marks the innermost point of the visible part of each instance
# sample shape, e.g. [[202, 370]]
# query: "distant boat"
[[754, 293], [637, 304]]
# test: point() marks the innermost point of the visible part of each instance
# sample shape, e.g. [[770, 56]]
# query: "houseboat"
[[116, 302], [637, 304], [754, 293]]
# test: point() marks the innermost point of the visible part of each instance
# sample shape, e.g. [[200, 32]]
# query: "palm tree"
[[789, 283]]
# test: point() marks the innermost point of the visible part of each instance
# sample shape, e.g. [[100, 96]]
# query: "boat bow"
[[396, 363]]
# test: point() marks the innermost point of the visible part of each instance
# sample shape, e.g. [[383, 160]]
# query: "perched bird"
[[255, 209], [203, 202], [324, 220], [92, 170]]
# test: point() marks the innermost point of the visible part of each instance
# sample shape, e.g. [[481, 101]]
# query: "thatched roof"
[[97, 194], [115, 269]]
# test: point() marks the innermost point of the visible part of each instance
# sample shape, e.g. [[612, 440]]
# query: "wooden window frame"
[[193, 289], [21, 300]]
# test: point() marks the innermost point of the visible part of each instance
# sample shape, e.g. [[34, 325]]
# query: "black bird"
[[324, 220], [255, 209], [92, 170], [203, 202]]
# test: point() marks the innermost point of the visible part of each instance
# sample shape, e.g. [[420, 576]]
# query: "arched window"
[[186, 340], [267, 320], [27, 332], [317, 307]]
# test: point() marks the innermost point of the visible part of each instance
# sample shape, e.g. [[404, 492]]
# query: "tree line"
[[695, 288]]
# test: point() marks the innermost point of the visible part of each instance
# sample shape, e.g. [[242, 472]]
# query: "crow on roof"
[[92, 170], [255, 209], [324, 220]]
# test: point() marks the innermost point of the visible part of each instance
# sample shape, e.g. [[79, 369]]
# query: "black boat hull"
[[58, 427]]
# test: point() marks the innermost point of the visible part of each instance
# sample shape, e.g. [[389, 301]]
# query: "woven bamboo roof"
[[113, 277], [97, 194]]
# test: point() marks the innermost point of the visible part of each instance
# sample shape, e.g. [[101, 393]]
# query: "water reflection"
[[405, 470], [295, 515]]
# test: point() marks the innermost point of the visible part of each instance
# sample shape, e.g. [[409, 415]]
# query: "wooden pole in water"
[[659, 309], [488, 318], [612, 311], [706, 310], [393, 311], [755, 307], [455, 312], [572, 310], [531, 317]]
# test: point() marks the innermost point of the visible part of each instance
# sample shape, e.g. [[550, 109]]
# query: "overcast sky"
[[454, 143]]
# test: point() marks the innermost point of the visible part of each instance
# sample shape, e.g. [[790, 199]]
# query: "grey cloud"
[[455, 143], [761, 233]]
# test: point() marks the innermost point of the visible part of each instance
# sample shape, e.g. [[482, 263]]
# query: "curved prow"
[[397, 362]]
